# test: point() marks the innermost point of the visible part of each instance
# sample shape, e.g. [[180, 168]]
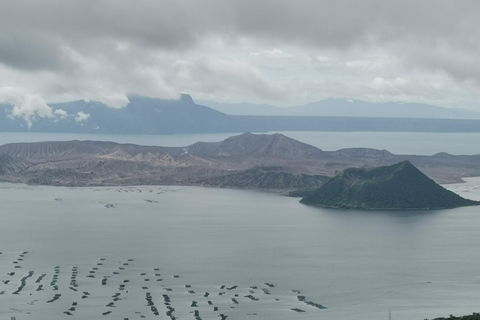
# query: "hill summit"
[[249, 144], [400, 186]]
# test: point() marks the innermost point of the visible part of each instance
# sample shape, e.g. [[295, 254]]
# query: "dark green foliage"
[[301, 193], [270, 178], [399, 186], [474, 316]]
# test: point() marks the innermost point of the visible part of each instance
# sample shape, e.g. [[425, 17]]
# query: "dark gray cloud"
[[181, 23], [30, 51], [253, 50]]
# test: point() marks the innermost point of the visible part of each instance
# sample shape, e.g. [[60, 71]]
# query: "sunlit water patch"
[[469, 189]]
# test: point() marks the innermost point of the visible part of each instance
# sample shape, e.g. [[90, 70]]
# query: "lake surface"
[[119, 251], [360, 265]]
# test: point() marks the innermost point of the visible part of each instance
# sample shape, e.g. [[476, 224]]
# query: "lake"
[[126, 252]]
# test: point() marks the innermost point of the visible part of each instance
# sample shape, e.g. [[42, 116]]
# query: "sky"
[[280, 52]]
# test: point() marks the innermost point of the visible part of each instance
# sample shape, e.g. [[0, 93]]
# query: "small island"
[[400, 186]]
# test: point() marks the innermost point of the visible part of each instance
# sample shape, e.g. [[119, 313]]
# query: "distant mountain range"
[[346, 108], [141, 115], [252, 161], [154, 116]]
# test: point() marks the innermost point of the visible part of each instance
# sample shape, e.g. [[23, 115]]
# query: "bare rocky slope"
[[273, 162]]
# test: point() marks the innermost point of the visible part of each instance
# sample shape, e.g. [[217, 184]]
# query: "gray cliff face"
[[243, 161]]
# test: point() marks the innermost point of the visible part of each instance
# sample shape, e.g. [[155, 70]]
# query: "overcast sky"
[[278, 52]]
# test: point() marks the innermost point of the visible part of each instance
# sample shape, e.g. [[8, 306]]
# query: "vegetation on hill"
[[474, 316], [399, 186], [269, 178]]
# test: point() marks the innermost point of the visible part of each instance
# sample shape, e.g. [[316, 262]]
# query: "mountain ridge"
[[255, 144], [226, 163], [145, 115], [335, 107]]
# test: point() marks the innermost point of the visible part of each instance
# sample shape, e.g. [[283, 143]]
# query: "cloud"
[[25, 105], [224, 75], [82, 116], [277, 51], [182, 24], [60, 113]]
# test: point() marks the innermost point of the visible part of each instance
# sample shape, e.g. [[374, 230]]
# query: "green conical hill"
[[397, 187]]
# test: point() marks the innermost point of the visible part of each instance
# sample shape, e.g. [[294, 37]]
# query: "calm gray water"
[[360, 265]]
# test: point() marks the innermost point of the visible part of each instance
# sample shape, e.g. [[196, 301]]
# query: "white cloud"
[[217, 76], [393, 85], [82, 116], [24, 104], [111, 99], [60, 113]]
